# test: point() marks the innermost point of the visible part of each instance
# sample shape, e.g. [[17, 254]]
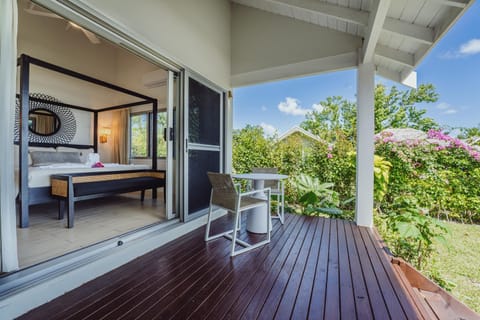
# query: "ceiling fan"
[[35, 10]]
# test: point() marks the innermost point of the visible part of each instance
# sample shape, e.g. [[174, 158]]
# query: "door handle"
[[168, 136]]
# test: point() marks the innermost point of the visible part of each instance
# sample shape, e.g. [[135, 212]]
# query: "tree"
[[393, 109], [251, 149], [396, 109], [471, 135], [336, 114]]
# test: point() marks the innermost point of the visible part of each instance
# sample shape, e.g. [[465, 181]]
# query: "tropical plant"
[[381, 173], [316, 197]]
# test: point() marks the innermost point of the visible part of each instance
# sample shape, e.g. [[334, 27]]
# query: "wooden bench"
[[73, 187]]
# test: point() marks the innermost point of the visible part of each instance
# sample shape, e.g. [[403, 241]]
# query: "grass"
[[459, 263]]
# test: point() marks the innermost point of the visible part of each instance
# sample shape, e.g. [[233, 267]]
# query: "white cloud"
[[450, 111], [443, 106], [468, 48], [263, 108], [446, 108], [292, 106], [317, 107], [471, 47], [268, 129]]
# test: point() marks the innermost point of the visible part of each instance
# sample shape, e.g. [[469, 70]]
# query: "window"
[[141, 136], [161, 143]]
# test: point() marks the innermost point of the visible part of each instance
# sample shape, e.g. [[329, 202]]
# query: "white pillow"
[[92, 159], [83, 152]]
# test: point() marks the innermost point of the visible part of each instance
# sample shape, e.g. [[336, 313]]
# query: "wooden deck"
[[314, 268]]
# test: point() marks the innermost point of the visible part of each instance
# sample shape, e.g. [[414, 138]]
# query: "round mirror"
[[43, 122]]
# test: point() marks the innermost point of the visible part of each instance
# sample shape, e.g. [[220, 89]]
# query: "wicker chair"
[[277, 190], [225, 195]]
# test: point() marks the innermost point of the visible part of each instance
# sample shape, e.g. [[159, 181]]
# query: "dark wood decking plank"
[[142, 300], [232, 306], [274, 297], [101, 286], [207, 283], [391, 300], [258, 300], [300, 310], [362, 303], [332, 299], [375, 295], [119, 301], [347, 299], [317, 300], [130, 290], [224, 291], [402, 294], [289, 298]]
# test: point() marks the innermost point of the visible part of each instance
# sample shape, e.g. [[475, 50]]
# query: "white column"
[[8, 58], [365, 144]]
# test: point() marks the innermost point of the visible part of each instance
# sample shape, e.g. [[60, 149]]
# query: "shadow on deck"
[[314, 268]]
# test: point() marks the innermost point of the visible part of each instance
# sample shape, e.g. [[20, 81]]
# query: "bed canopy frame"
[[26, 197]]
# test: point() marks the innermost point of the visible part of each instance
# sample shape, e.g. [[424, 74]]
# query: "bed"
[[39, 174], [33, 179]]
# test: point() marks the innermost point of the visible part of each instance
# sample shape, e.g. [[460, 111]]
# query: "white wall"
[[193, 33], [263, 42]]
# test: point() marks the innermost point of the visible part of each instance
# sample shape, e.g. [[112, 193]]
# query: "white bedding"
[[40, 176]]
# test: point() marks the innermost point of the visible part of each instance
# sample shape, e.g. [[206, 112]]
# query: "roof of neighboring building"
[[297, 129]]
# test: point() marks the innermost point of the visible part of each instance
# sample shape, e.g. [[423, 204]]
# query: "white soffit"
[[397, 34]]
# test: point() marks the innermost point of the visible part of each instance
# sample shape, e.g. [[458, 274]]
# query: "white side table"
[[256, 221]]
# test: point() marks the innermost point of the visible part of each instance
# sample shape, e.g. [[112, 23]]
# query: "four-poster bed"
[[28, 195]]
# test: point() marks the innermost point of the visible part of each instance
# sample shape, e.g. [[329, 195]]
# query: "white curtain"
[[8, 57], [120, 136]]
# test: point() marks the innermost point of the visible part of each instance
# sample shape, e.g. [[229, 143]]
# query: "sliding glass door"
[[203, 149]]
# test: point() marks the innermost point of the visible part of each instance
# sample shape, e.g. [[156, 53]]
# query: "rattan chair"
[[277, 188], [225, 195]]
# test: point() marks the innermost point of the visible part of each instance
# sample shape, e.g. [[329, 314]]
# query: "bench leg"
[[142, 195], [70, 213], [61, 209], [154, 193]]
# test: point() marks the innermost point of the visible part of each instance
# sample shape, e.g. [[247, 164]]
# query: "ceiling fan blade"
[[43, 14], [91, 36]]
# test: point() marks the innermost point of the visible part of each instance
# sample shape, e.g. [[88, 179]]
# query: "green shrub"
[[410, 231]]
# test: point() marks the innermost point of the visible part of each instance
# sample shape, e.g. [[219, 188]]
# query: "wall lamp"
[[104, 133]]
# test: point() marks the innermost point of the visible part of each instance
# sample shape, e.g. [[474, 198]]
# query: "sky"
[[453, 67]]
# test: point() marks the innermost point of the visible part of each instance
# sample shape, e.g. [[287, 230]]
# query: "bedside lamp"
[[104, 133]]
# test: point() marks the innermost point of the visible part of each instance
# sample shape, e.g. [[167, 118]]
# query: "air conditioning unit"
[[155, 79]]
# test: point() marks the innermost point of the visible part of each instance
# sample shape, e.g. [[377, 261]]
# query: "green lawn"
[[460, 262]]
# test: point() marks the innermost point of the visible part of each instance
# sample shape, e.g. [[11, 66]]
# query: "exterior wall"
[[263, 41], [200, 42]]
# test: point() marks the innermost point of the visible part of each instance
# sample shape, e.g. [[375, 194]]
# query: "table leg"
[[256, 220]]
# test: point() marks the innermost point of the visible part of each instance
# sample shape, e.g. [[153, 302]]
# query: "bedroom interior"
[[88, 102]]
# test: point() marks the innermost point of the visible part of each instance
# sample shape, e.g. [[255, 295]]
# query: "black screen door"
[[203, 143]]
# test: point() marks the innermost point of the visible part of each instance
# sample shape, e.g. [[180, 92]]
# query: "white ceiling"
[[396, 34]]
